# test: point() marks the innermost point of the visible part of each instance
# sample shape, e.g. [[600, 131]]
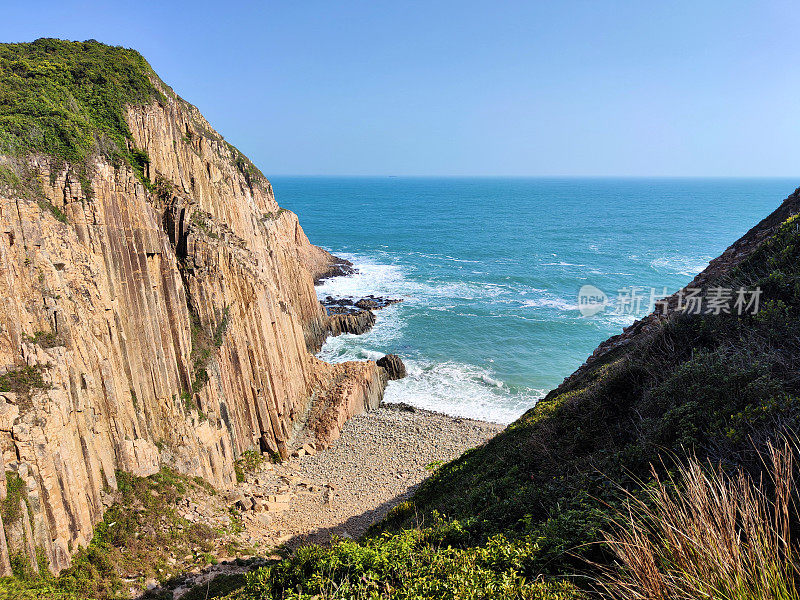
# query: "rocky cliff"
[[156, 311]]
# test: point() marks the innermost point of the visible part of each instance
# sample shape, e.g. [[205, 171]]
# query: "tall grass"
[[705, 534]]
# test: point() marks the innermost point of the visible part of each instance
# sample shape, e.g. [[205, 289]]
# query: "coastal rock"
[[367, 303], [337, 267], [356, 323], [395, 369]]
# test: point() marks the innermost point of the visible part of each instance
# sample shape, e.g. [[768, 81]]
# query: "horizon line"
[[500, 176]]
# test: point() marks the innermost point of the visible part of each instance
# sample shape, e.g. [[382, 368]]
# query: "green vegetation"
[[417, 563], [22, 380], [46, 339], [9, 178], [252, 175], [202, 220], [54, 210], [269, 216], [248, 462], [10, 507], [138, 536], [68, 99]]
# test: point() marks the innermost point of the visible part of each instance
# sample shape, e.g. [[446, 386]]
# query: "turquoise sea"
[[489, 269]]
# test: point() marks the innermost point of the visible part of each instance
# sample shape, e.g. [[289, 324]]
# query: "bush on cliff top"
[[67, 100]]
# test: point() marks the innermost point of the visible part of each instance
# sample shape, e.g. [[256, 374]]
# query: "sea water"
[[489, 270]]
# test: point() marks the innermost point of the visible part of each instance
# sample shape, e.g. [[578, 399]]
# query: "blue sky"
[[470, 88]]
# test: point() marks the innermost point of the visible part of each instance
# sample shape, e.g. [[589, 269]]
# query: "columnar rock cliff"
[[161, 319]]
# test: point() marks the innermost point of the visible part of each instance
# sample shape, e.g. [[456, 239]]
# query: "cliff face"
[[172, 323]]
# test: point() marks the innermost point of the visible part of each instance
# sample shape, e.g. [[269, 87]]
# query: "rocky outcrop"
[[172, 323], [356, 323], [344, 315], [393, 365], [354, 390]]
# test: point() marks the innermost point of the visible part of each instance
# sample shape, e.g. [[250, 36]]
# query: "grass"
[[707, 534]]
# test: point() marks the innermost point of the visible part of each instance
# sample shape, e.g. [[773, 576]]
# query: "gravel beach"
[[381, 457]]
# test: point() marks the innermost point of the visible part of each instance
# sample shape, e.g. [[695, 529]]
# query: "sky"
[[470, 88]]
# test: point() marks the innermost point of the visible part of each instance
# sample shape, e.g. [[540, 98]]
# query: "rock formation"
[[168, 319], [395, 369]]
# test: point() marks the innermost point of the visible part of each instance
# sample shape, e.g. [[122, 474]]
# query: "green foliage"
[[252, 175], [22, 380], [248, 462], [15, 493], [16, 589], [46, 339], [203, 221], [68, 99], [412, 564], [270, 216], [137, 534], [222, 327], [9, 178]]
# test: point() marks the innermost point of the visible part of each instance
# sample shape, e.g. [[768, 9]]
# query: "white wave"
[[680, 265], [460, 390], [450, 387], [550, 301]]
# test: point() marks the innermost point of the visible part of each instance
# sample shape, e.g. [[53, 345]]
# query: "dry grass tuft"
[[705, 534]]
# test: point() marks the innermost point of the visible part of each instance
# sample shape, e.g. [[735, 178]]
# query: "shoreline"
[[380, 459]]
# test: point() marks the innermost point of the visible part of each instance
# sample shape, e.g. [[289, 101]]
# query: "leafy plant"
[[68, 99]]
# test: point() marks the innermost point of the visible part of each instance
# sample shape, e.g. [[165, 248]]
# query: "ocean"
[[489, 270]]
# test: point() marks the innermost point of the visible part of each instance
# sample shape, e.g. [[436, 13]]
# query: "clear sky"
[[686, 88]]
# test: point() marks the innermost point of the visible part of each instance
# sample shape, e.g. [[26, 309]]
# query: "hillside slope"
[[158, 305]]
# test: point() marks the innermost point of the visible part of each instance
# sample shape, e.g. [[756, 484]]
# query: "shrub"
[[22, 380], [68, 99], [248, 462], [412, 564]]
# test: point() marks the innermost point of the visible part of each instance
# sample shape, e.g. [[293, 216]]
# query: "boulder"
[[394, 366]]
